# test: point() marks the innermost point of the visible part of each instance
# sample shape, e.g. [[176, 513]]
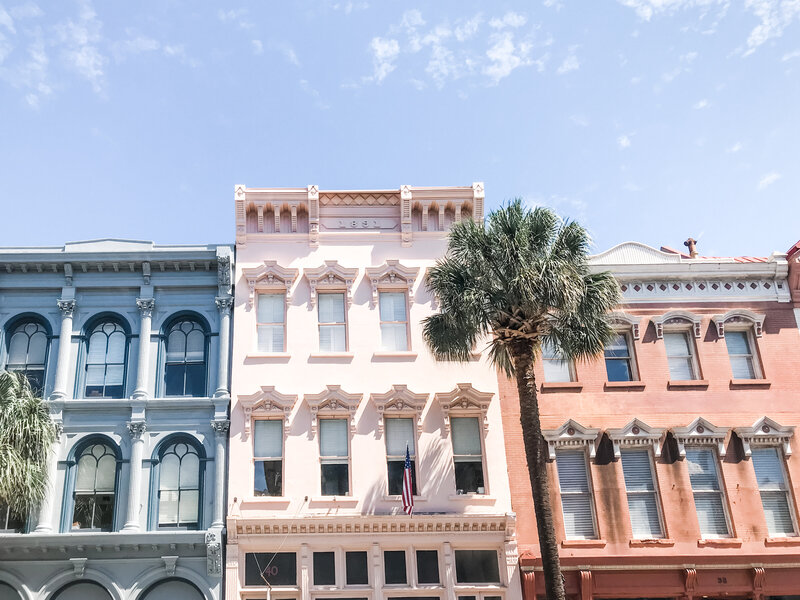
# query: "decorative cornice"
[[399, 401], [267, 403], [146, 306], [136, 429], [636, 433], [676, 319], [392, 274], [621, 319], [571, 435], [464, 398], [700, 432], [766, 432], [333, 401], [67, 308], [739, 316], [270, 275], [331, 276]]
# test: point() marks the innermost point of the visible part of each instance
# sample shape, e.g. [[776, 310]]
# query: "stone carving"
[[146, 306], [78, 566], [224, 304], [136, 429], [224, 272], [213, 554], [464, 398], [67, 308], [220, 427], [146, 272], [169, 564], [68, 274]]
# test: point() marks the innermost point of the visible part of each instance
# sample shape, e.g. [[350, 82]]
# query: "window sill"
[[744, 384], [268, 356], [266, 500], [687, 384], [476, 498], [583, 543], [720, 543], [404, 355], [562, 386], [630, 386], [331, 356], [782, 541], [399, 498], [327, 501], [652, 543]]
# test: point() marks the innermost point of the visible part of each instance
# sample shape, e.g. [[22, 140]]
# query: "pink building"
[[332, 382], [674, 469]]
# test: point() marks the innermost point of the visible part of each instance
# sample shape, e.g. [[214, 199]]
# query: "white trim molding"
[[267, 403], [331, 276], [392, 274], [621, 320], [464, 398], [269, 276], [636, 433], [739, 316], [700, 432], [766, 432], [333, 401], [400, 401], [571, 435], [674, 319]]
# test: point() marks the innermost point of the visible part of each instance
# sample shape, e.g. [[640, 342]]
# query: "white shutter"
[[642, 497], [774, 492], [576, 497], [708, 498]]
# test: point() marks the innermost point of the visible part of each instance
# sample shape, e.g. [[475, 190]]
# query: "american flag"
[[408, 490]]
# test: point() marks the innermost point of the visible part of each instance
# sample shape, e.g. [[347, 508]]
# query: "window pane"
[[18, 349], [195, 380], [170, 472], [84, 480], [394, 566], [168, 508], [268, 478], [642, 499], [556, 370], [702, 465], [324, 569], [176, 346], [333, 437], [618, 369], [334, 480], [578, 520], [271, 308], [637, 471], [396, 470], [681, 369], [399, 432], [190, 470], [676, 344], [278, 569], [466, 435], [331, 308], [174, 379], [106, 473], [394, 337], [332, 338], [737, 342], [571, 465], [617, 347], [84, 511], [576, 500], [469, 477], [116, 348], [356, 568], [392, 306], [645, 523], [768, 468], [270, 338], [477, 566], [37, 350], [97, 348], [777, 513], [104, 512], [711, 514], [114, 375], [742, 367], [268, 438], [427, 566], [195, 346]]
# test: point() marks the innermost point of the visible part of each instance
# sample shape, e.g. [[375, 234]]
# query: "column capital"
[[220, 427], [224, 304], [67, 307], [136, 429], [146, 306]]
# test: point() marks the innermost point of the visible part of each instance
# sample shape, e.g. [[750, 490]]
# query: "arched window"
[[179, 484], [95, 487], [105, 361], [185, 366], [172, 589], [82, 590], [7, 592], [27, 351]]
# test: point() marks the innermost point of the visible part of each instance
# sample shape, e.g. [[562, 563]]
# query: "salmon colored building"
[[673, 458]]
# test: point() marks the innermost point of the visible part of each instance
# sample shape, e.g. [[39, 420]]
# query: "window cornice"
[[392, 274], [739, 316], [267, 403], [637, 433], [766, 432], [700, 432], [331, 276], [675, 319], [399, 401], [334, 402], [464, 398], [571, 435], [621, 320], [269, 276]]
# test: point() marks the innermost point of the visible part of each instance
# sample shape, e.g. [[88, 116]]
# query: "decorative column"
[[67, 308], [221, 437], [45, 524], [137, 430], [145, 306], [224, 305]]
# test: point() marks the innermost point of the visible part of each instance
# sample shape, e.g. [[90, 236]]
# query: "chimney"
[[691, 244]]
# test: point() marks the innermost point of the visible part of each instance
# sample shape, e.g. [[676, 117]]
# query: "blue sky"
[[651, 120]]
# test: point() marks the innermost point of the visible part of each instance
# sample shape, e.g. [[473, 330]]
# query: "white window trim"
[[590, 484], [740, 319], [333, 402], [282, 458], [407, 296], [766, 432], [331, 277], [571, 435], [722, 491], [265, 404], [677, 320], [749, 330], [656, 488], [399, 401], [700, 432], [637, 433], [629, 327], [690, 340], [393, 276], [269, 277]]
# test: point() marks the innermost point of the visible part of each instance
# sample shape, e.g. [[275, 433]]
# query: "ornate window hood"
[[766, 432], [267, 403], [702, 433], [636, 434], [571, 435], [677, 318], [392, 274], [739, 316], [270, 276], [399, 401], [464, 399], [333, 402], [331, 276]]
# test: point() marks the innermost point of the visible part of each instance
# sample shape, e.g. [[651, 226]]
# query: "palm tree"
[[26, 436], [523, 280]]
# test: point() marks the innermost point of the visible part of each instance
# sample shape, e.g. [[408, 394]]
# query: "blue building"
[[130, 343]]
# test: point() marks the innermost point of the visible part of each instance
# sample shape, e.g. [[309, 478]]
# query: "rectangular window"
[[556, 368], [324, 568], [740, 353], [477, 566], [427, 566], [394, 566], [276, 568], [332, 326], [399, 433], [356, 571], [334, 456], [394, 321], [10, 521], [680, 356], [271, 316], [708, 498], [775, 497], [637, 469], [619, 366], [268, 453], [576, 495], [467, 455]]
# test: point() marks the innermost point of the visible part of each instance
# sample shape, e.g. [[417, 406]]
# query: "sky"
[[647, 120]]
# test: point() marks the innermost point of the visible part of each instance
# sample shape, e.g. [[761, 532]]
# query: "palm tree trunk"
[[535, 452]]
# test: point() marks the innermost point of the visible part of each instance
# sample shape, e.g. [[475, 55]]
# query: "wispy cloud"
[[237, 16], [734, 148], [768, 179], [80, 39], [308, 89], [790, 55], [257, 47], [624, 141], [570, 63], [6, 21], [289, 54], [505, 56], [510, 19], [701, 104], [775, 15], [579, 120], [384, 55], [349, 6]]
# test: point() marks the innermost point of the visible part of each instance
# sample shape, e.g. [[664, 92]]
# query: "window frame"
[[282, 295], [590, 492], [789, 491], [336, 459], [656, 491], [573, 376], [686, 331], [748, 330], [397, 458], [83, 363], [5, 518], [169, 323], [481, 436], [155, 481], [9, 330], [384, 289], [628, 334], [257, 459], [345, 323], [722, 492]]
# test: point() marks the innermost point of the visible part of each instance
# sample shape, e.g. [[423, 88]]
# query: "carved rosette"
[[146, 306], [136, 429], [67, 308]]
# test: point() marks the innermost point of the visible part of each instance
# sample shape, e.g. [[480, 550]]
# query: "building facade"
[[673, 469], [129, 342], [332, 384]]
